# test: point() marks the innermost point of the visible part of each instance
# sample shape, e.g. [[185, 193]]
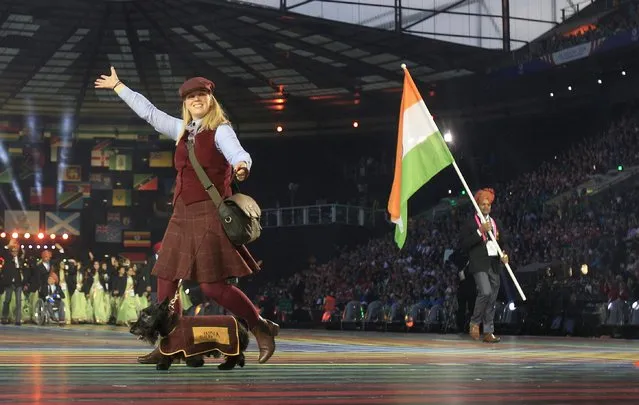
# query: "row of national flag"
[[103, 154], [73, 195], [116, 230]]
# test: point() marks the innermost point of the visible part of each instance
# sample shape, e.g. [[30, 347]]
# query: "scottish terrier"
[[198, 332]]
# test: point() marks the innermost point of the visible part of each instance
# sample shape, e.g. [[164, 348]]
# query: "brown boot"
[[490, 338], [474, 331], [265, 332], [151, 358]]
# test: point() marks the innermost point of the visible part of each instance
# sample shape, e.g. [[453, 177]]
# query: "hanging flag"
[[71, 200], [134, 257], [72, 173], [121, 198], [121, 162], [57, 143], [22, 221], [80, 187], [121, 219], [44, 196], [108, 234], [421, 154], [101, 181], [62, 222], [145, 182], [101, 154], [161, 159], [137, 239]]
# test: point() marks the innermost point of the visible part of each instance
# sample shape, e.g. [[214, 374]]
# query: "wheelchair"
[[47, 311]]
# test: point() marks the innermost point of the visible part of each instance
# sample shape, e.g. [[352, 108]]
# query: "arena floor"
[[96, 364]]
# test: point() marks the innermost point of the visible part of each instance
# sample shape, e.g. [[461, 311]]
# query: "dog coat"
[[194, 335]]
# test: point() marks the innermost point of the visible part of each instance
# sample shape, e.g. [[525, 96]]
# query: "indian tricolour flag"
[[421, 154]]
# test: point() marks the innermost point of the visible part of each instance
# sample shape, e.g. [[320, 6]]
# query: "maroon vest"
[[187, 184]]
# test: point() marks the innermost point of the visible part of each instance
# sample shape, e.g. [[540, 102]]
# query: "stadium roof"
[[468, 22], [268, 66]]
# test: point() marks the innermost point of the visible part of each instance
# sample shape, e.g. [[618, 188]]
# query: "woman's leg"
[[233, 299]]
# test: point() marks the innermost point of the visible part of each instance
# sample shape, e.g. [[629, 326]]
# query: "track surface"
[[96, 364]]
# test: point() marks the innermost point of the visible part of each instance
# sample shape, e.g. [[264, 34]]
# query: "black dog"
[[155, 322]]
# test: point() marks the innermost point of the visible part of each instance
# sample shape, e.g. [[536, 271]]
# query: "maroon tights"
[[228, 296]]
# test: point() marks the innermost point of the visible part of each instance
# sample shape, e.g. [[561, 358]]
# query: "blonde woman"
[[195, 246]]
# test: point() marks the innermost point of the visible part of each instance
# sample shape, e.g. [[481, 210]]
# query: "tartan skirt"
[[195, 247]]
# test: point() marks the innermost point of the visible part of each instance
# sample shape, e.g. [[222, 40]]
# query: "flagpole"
[[490, 233]]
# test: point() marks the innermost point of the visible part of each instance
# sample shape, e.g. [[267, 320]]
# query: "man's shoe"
[[490, 338], [151, 358], [474, 331]]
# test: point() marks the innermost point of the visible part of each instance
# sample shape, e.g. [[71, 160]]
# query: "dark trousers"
[[466, 295], [487, 289], [9, 291]]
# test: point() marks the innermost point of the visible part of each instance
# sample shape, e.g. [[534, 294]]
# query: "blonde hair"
[[213, 119]]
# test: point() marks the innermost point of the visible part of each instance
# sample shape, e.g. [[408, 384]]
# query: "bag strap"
[[201, 174]]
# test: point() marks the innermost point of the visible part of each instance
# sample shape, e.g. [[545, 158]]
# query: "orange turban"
[[488, 193], [54, 277]]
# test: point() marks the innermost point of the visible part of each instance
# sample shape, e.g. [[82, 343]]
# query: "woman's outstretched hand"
[[107, 82]]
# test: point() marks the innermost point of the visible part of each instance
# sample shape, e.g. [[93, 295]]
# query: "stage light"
[[38, 247], [584, 269], [552, 94], [623, 72], [21, 246], [53, 247], [40, 235], [569, 88], [14, 235], [46, 246], [512, 306], [52, 236], [30, 246], [635, 305], [355, 124], [279, 128], [3, 235], [65, 236], [27, 235], [463, 192], [448, 137], [599, 81], [619, 168], [450, 192]]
